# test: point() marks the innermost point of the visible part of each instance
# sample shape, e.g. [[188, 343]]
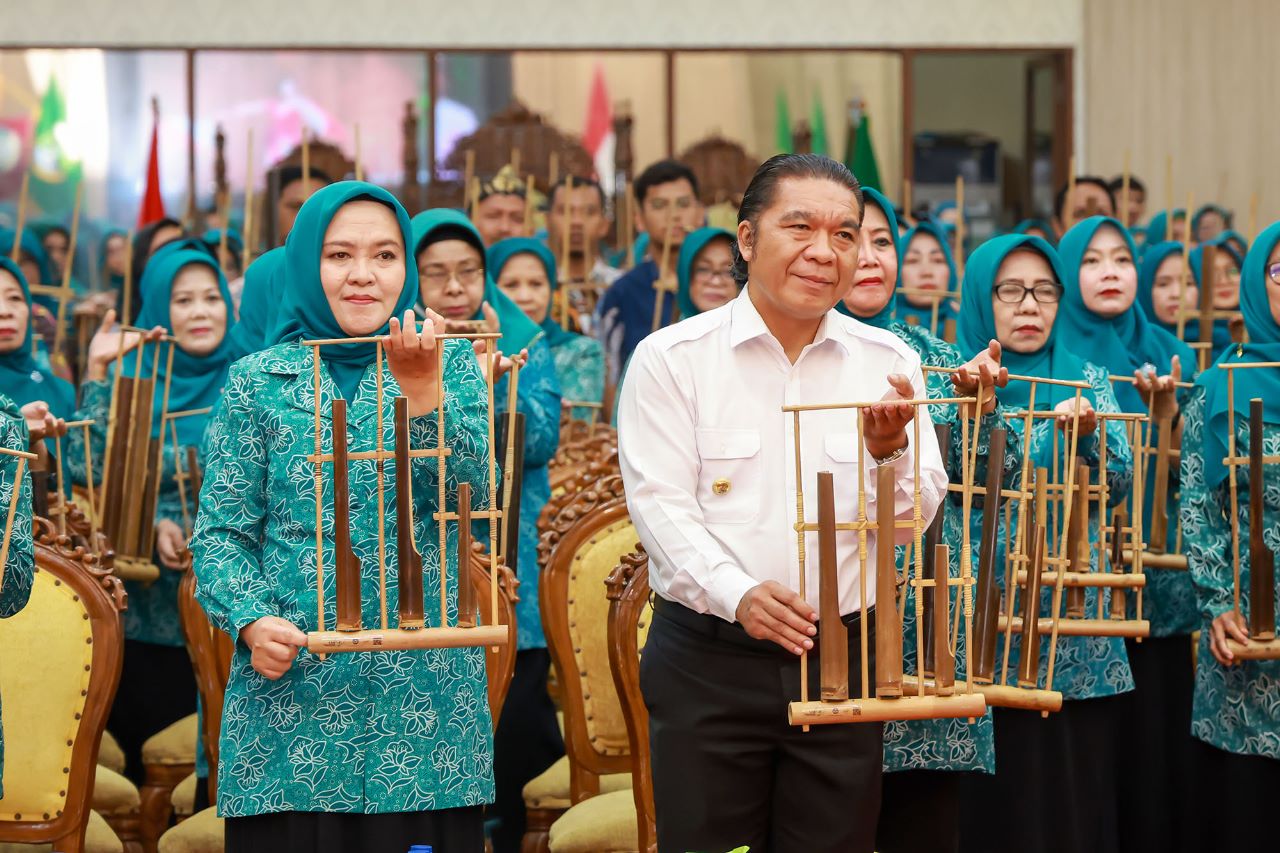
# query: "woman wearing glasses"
[[1224, 287], [525, 270], [704, 272], [1106, 326], [455, 283], [1235, 716], [1013, 287]]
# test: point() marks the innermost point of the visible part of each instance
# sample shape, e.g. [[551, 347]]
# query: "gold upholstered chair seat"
[[174, 744], [113, 794], [601, 824], [200, 833], [550, 789], [98, 838], [183, 798], [110, 755]]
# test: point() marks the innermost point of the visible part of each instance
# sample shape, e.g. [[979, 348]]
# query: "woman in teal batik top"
[[525, 270], [1235, 715], [915, 752], [927, 268], [457, 284], [1012, 290], [19, 566], [356, 751], [1107, 327]]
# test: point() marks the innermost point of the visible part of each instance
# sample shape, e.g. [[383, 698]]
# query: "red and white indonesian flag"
[[597, 133]]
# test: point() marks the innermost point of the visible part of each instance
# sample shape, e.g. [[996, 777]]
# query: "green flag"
[[819, 120], [859, 153], [53, 175], [782, 125]]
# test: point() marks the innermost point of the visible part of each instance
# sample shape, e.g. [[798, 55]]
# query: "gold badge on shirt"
[[721, 486]]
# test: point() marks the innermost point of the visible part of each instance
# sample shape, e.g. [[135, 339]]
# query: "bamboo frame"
[[944, 699], [418, 632], [1263, 643]]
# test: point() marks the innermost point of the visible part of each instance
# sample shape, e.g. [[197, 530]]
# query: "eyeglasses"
[[1014, 292], [466, 276], [1273, 272], [709, 274]]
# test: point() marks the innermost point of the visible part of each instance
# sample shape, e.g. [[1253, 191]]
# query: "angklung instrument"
[[1261, 616], [938, 696], [418, 626]]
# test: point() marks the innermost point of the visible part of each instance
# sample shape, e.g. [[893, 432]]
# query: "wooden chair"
[[514, 128], [62, 660], [723, 168], [212, 651], [595, 455], [621, 820], [580, 546]]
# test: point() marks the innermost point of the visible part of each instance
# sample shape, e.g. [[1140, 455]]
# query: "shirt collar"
[[746, 324]]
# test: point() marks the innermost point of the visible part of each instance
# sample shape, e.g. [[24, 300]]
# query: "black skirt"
[[157, 688], [446, 831]]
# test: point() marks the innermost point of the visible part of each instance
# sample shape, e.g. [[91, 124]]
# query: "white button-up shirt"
[[708, 458]]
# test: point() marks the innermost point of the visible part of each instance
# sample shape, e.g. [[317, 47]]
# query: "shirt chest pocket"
[[841, 459], [729, 481]]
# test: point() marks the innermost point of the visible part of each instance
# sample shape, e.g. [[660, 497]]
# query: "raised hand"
[[412, 359], [1160, 392], [40, 423], [107, 343], [981, 371], [1088, 417], [885, 423]]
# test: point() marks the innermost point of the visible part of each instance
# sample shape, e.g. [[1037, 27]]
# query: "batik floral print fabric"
[[367, 733], [1236, 708], [952, 744], [19, 566], [580, 370]]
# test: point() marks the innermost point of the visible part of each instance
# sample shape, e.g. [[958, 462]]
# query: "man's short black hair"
[[578, 183], [1060, 199], [662, 172], [1117, 185]]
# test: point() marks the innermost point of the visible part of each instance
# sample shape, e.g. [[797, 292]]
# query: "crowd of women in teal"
[[399, 746]]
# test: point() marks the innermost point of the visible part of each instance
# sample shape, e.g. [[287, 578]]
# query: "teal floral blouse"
[[1086, 667], [950, 744], [19, 567], [1235, 708], [360, 733], [580, 369], [152, 615], [538, 399]]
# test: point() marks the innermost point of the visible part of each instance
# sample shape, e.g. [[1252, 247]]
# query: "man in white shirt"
[[708, 459]]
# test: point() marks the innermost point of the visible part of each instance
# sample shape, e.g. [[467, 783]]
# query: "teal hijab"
[[694, 243], [882, 318], [977, 326], [304, 309], [1152, 257], [946, 308], [496, 258], [235, 242], [260, 302], [1221, 326], [518, 331], [1158, 227], [1124, 343], [22, 379], [1210, 208], [1264, 345], [196, 381], [1040, 225]]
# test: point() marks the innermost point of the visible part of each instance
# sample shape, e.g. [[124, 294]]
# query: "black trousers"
[[1237, 798], [447, 831], [157, 687], [728, 770], [920, 812], [1156, 773], [527, 742], [1055, 785]]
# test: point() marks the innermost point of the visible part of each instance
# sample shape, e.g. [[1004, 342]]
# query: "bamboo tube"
[[319, 490], [65, 293], [467, 616], [800, 554], [660, 286], [515, 159], [359, 160], [380, 470], [999, 695], [19, 471], [528, 205], [888, 631], [1134, 628], [834, 637], [1168, 190], [337, 642], [906, 195], [491, 358], [628, 258], [127, 296], [1068, 210], [88, 468], [249, 222], [15, 254], [961, 231], [806, 714], [468, 175], [346, 564], [1124, 192], [553, 169], [306, 161], [442, 532], [410, 600]]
